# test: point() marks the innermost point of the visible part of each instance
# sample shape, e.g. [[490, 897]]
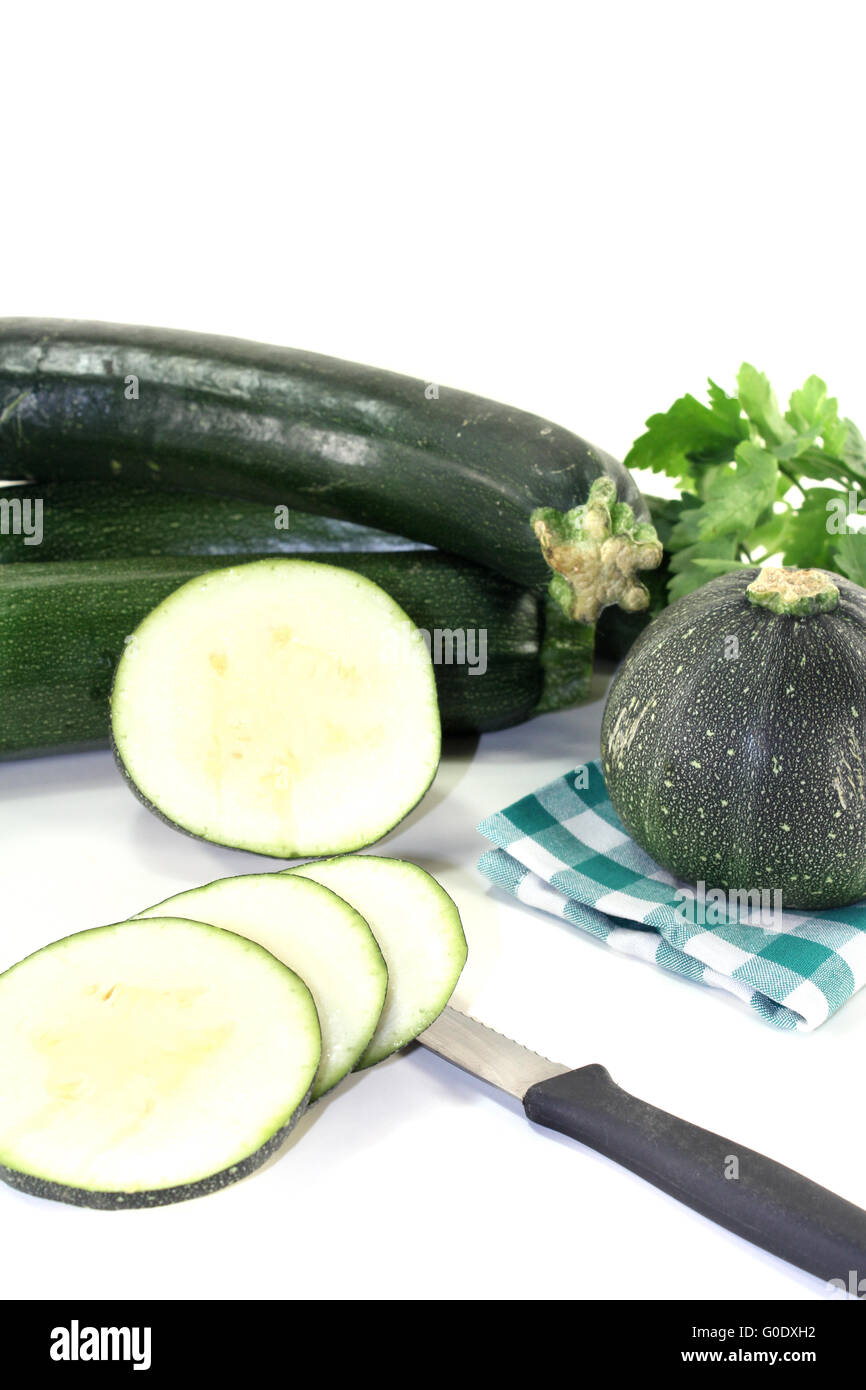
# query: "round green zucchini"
[[734, 737], [503, 488]]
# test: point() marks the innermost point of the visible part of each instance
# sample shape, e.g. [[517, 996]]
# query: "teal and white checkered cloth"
[[563, 849]]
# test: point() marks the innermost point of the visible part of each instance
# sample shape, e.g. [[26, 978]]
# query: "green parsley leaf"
[[689, 435], [770, 535], [853, 449], [809, 543], [703, 570], [748, 471], [664, 513], [850, 556], [812, 411], [732, 498], [760, 404], [726, 407], [689, 567]]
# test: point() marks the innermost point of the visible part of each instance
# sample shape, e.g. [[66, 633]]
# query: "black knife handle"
[[757, 1198]]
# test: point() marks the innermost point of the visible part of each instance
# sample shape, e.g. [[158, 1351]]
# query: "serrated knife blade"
[[480, 1050], [754, 1196]]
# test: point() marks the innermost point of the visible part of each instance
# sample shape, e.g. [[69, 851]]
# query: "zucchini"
[[110, 521], [500, 487], [148, 1062], [283, 706], [63, 627], [418, 928], [316, 934], [734, 737]]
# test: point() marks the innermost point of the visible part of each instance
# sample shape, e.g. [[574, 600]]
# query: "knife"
[[749, 1194]]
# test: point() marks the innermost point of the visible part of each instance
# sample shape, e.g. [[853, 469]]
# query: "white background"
[[583, 210]]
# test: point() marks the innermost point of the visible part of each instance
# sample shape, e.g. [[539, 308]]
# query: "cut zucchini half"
[[284, 706], [418, 928], [148, 1062], [314, 932]]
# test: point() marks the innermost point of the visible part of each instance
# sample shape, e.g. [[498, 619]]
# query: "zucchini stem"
[[595, 551], [793, 593]]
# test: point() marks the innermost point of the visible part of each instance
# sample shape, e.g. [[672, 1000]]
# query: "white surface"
[[582, 209], [414, 1180]]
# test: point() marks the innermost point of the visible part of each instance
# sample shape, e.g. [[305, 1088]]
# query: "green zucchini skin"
[[746, 771], [291, 428], [156, 1197], [110, 521], [63, 626]]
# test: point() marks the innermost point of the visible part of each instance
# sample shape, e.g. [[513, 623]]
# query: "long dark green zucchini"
[[110, 521], [502, 488], [499, 656]]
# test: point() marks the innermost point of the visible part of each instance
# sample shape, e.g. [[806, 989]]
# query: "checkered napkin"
[[563, 849]]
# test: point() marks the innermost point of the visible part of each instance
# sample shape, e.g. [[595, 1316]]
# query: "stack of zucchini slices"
[[168, 1056]]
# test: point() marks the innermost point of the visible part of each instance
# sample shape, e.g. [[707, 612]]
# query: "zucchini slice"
[[418, 928], [148, 1062], [284, 706], [315, 933]]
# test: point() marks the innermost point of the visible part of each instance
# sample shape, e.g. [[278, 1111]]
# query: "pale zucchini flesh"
[[148, 1062], [284, 706], [318, 935], [418, 928]]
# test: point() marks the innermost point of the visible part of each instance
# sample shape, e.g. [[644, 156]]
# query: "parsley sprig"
[[756, 482]]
